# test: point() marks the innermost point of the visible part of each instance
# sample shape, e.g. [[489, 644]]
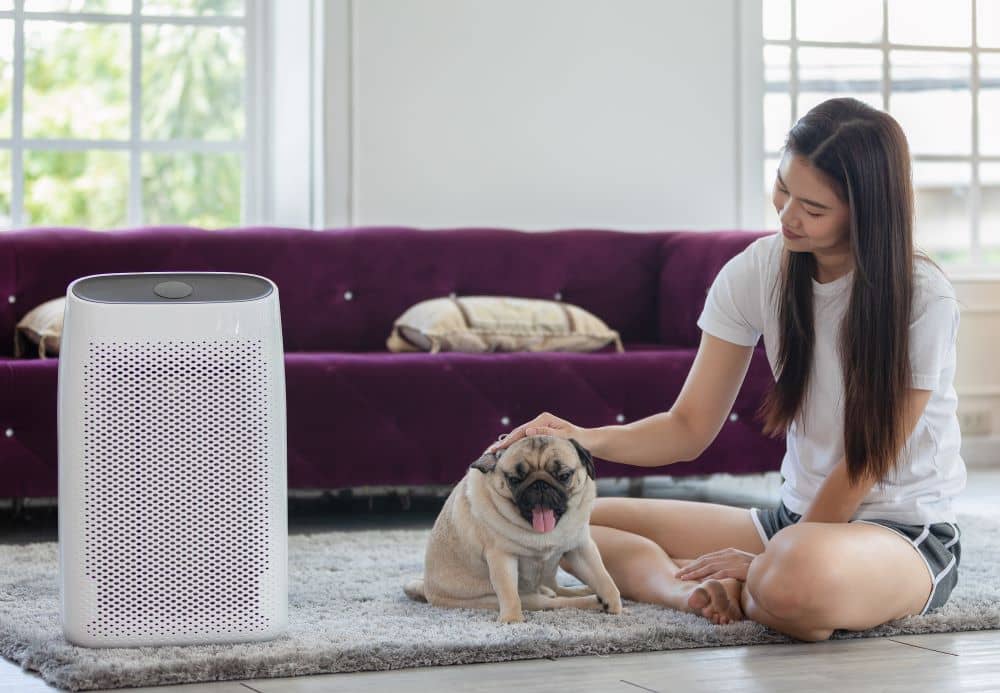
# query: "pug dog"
[[503, 530]]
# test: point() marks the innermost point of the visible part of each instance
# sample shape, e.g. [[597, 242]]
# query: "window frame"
[[251, 147]]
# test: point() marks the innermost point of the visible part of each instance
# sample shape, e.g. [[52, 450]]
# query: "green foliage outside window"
[[77, 86]]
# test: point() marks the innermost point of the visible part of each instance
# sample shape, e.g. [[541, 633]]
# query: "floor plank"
[[881, 662], [14, 678], [975, 643]]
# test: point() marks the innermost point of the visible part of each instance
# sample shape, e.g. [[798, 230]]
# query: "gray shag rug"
[[347, 612]]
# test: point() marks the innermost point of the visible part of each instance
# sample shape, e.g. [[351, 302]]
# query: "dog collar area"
[[171, 287]]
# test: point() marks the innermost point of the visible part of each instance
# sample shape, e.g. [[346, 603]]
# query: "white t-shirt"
[[930, 472]]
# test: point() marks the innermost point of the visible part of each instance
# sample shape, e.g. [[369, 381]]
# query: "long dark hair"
[[863, 154]]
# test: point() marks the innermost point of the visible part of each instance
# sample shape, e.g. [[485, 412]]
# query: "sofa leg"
[[16, 507]]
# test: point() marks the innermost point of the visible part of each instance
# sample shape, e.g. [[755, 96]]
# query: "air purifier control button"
[[173, 289]]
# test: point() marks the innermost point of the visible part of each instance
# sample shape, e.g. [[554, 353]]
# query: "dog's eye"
[[566, 476]]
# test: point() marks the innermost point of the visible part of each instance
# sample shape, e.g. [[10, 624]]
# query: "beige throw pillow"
[[498, 323], [42, 327]]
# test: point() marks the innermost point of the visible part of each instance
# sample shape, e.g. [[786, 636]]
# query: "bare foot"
[[717, 600]]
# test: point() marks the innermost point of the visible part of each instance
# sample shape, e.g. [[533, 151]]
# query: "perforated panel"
[[176, 482]]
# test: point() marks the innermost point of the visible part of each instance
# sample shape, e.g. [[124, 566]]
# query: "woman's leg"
[[644, 573], [817, 577], [683, 529], [638, 539], [790, 587]]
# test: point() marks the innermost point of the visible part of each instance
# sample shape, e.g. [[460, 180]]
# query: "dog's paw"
[[512, 617], [547, 591], [612, 605]]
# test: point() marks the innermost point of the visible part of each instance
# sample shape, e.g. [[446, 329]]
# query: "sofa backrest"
[[690, 262], [341, 289]]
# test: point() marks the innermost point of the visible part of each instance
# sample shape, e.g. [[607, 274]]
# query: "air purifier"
[[172, 481]]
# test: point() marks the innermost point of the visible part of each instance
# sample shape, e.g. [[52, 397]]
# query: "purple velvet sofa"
[[360, 415]]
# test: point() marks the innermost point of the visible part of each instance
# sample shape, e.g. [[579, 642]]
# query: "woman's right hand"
[[544, 424]]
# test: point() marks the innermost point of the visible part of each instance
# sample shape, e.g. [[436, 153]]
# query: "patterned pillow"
[[42, 327], [498, 323]]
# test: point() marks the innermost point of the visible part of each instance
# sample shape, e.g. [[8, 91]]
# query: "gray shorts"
[[938, 544]]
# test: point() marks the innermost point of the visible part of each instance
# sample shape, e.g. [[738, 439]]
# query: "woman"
[[860, 333]]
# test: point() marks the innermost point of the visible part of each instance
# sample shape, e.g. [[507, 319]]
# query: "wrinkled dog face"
[[539, 475]]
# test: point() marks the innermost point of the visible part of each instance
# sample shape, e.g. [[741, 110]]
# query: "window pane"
[[825, 73], [777, 103], [75, 188], [988, 23], [76, 80], [5, 188], [6, 75], [989, 220], [928, 89], [174, 189], [192, 82], [777, 120], [777, 19], [930, 22], [844, 20], [770, 215], [99, 6], [6, 5], [942, 205], [200, 7], [989, 103]]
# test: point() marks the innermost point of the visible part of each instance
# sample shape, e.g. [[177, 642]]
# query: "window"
[[118, 113], [935, 66]]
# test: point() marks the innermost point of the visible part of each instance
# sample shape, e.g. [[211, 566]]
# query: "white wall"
[[532, 114]]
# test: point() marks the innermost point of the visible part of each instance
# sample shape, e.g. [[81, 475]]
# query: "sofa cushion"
[[383, 418], [498, 323]]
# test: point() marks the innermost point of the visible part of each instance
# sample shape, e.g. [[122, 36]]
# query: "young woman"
[[860, 333]]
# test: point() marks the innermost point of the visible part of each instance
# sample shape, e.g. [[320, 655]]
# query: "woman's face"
[[808, 208]]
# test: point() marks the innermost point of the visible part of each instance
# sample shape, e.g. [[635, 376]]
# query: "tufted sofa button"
[[348, 295], [557, 296], [12, 299], [505, 421], [620, 418], [734, 417], [9, 433]]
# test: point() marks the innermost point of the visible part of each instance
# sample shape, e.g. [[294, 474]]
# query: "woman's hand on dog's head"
[[544, 424]]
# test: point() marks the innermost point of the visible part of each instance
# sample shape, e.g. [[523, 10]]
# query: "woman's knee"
[[788, 577]]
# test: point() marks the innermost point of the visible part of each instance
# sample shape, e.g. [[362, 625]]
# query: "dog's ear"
[[486, 464], [588, 461]]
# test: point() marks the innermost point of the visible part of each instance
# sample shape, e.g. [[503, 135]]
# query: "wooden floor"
[[940, 662]]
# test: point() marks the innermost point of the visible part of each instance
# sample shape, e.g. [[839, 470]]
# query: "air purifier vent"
[[177, 476]]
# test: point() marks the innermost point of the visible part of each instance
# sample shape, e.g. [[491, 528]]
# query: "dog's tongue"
[[543, 519]]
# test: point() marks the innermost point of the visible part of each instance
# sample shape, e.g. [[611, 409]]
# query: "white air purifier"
[[172, 482]]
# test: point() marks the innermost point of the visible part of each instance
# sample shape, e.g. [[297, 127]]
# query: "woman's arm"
[[837, 500], [693, 422]]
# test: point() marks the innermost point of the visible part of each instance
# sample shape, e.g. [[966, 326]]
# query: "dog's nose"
[[542, 492]]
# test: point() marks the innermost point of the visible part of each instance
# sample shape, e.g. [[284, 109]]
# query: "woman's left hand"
[[727, 563]]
